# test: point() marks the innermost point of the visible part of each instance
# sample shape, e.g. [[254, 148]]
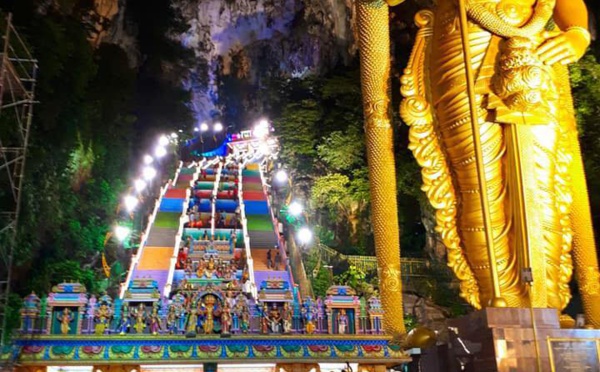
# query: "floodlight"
[[130, 202], [163, 140], [203, 127], [218, 127], [149, 173], [122, 232], [281, 176], [295, 208], [140, 185], [304, 235], [148, 159]]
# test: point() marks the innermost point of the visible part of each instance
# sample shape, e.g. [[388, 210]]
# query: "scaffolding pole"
[[18, 70]]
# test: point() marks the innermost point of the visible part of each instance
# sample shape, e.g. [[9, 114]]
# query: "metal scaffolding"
[[17, 85]]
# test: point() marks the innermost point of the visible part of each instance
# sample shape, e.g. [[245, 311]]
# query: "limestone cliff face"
[[101, 17], [248, 40]]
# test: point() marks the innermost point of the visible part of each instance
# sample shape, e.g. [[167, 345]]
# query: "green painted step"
[[260, 223], [167, 219], [204, 185], [186, 170], [253, 173]]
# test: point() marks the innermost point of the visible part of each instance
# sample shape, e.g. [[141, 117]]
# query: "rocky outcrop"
[[427, 314], [249, 40], [123, 33]]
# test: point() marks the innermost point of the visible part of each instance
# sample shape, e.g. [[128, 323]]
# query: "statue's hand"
[[564, 47]]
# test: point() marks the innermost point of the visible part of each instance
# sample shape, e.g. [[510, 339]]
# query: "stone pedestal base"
[[509, 339]]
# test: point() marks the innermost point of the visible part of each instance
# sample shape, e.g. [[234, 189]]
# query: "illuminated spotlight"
[[196, 129], [130, 202], [140, 185], [304, 235], [203, 127], [148, 159], [295, 208], [122, 232], [174, 135], [281, 176], [149, 173], [218, 127], [163, 140], [160, 152], [261, 129]]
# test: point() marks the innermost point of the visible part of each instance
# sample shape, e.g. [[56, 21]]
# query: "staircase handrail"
[[409, 266], [178, 236], [135, 259]]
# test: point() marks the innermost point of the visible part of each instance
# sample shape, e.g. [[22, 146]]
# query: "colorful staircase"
[[152, 262], [272, 285], [216, 194]]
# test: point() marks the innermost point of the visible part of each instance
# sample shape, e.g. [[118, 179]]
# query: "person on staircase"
[[277, 261], [269, 260]]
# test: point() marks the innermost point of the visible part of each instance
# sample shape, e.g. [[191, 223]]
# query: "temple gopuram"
[[209, 288]]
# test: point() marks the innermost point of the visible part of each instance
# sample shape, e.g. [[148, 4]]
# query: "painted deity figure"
[[140, 319], [102, 316], [125, 320], [511, 146], [207, 310], [188, 267], [309, 312], [245, 319], [226, 320], [264, 319], [65, 318], [275, 319], [154, 321], [342, 322], [192, 321], [172, 321], [286, 318]]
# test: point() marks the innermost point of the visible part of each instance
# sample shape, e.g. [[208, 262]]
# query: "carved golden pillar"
[[374, 40]]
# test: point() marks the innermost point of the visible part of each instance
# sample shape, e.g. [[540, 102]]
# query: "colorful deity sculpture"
[[245, 319], [102, 317], [125, 324], [65, 318], [275, 319], [208, 310], [265, 322], [140, 318], [342, 322], [309, 312], [172, 320], [287, 315], [192, 321], [154, 321], [226, 320]]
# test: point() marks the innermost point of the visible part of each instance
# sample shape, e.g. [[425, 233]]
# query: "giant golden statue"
[[488, 100]]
